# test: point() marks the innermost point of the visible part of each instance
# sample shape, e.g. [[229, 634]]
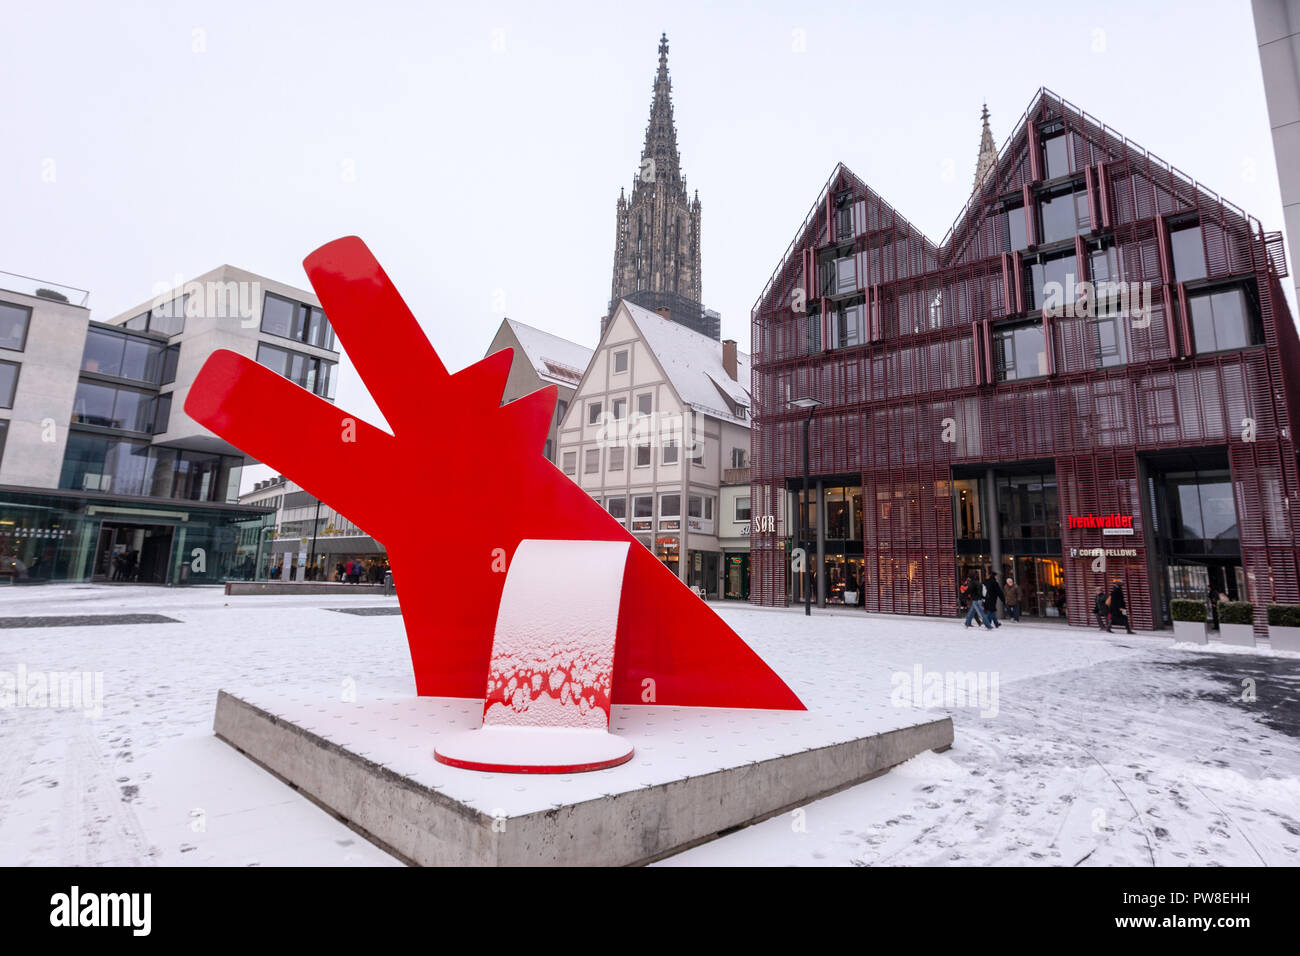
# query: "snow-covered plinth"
[[697, 772]]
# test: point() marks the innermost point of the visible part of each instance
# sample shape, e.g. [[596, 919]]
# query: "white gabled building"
[[658, 417], [541, 359]]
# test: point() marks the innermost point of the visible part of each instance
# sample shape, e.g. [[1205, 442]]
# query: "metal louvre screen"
[[928, 384]]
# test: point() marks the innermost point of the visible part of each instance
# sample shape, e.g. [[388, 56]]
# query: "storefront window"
[[967, 508]]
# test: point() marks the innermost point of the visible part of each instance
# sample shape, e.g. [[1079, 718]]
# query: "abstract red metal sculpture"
[[671, 647]]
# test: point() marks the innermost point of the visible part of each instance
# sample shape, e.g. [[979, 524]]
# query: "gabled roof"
[[693, 364], [962, 244], [554, 359]]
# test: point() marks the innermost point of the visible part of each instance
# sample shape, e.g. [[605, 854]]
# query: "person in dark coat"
[[973, 589], [1118, 609], [1101, 609], [992, 594]]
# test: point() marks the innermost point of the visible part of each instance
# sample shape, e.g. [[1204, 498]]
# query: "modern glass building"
[[102, 475], [1094, 376]]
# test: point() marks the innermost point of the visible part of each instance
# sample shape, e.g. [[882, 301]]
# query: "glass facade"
[[47, 537], [125, 466], [296, 320]]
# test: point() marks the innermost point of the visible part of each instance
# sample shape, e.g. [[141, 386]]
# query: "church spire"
[[988, 157], [657, 237], [661, 133]]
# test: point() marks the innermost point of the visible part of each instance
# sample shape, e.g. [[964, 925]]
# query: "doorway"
[[133, 553]]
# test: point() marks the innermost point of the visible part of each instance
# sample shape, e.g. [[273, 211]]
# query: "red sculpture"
[[454, 489]]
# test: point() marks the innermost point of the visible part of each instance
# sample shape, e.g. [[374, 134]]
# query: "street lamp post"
[[315, 527], [812, 405]]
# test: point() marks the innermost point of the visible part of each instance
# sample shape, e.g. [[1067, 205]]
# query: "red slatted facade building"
[[948, 383]]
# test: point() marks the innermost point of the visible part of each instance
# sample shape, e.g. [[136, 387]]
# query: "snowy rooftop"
[[693, 363], [555, 359]]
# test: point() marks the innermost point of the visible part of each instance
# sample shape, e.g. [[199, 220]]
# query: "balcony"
[[26, 285]]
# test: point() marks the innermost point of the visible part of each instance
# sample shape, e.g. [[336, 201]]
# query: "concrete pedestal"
[[696, 773]]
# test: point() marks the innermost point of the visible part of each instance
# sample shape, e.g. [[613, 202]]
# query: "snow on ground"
[[1086, 748]]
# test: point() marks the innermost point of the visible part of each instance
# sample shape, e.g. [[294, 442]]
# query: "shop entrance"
[[1041, 582], [133, 553], [737, 582]]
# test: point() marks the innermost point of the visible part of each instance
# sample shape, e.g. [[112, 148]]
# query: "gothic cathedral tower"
[[657, 238]]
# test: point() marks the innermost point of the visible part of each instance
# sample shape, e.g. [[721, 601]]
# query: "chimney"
[[666, 312], [729, 357]]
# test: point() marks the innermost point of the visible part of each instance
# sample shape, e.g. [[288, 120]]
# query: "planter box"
[[851, 597], [1284, 638], [1190, 632], [1240, 634]]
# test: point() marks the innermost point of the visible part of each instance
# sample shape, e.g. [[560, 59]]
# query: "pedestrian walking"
[[1012, 597], [973, 591], [1101, 608], [992, 594], [1118, 607]]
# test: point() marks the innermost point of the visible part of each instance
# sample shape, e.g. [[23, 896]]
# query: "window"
[[742, 508], [315, 375], [170, 358], [738, 456], [670, 506], [1063, 213], [645, 403], [142, 360], [4, 434], [643, 456], [560, 408], [13, 326], [109, 352], [697, 452], [1224, 320], [162, 417], [1188, 253], [620, 361], [591, 462], [103, 352], [616, 456], [844, 216], [548, 449], [1201, 505], [620, 409], [169, 318], [694, 506], [296, 320], [1014, 233], [1052, 282], [1056, 155], [670, 452], [849, 326], [570, 462], [1019, 351], [814, 330], [8, 383], [593, 413], [1112, 346], [617, 507], [108, 406]]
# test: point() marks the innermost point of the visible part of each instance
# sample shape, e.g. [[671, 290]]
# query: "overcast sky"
[[479, 148]]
